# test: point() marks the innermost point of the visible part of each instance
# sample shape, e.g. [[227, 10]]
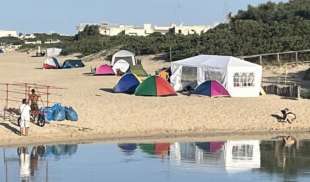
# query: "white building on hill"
[[147, 29], [8, 33]]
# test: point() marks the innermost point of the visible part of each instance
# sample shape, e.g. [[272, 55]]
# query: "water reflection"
[[32, 161], [273, 160], [283, 154]]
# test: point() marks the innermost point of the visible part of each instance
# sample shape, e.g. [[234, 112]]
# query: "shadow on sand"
[[109, 90], [7, 126]]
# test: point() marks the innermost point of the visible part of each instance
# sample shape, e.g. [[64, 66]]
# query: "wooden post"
[[278, 58], [285, 78], [296, 57], [298, 92], [6, 101], [261, 60], [26, 90], [170, 54], [7, 96], [47, 93]]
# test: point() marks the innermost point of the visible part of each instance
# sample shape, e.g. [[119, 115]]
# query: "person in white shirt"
[[25, 117]]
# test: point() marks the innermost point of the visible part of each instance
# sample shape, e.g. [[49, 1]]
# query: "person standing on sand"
[[33, 99], [24, 118]]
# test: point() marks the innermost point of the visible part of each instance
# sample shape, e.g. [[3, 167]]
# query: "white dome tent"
[[239, 77], [121, 65], [124, 55], [51, 62]]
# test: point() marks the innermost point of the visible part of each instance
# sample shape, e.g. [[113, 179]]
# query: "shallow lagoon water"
[[247, 160]]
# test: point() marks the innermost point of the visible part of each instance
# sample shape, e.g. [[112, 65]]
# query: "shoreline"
[[159, 137]]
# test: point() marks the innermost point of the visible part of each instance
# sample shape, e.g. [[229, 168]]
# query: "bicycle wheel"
[[41, 120]]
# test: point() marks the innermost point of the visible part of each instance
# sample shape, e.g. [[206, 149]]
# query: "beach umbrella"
[[127, 84], [211, 88], [155, 86]]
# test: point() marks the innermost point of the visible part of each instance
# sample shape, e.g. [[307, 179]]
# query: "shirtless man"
[[33, 99]]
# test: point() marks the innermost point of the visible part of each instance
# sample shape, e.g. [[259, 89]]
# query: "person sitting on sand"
[[288, 116], [24, 117], [33, 99]]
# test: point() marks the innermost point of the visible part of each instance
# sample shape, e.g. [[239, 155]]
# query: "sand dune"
[[103, 114]]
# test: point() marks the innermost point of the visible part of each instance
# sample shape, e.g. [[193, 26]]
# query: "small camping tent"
[[73, 63], [124, 55], [127, 84], [51, 63], [211, 88], [239, 77], [155, 86], [121, 66], [104, 70]]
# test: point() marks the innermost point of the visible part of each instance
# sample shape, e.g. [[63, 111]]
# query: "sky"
[[63, 16]]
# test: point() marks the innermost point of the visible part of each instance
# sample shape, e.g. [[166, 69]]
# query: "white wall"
[[5, 33], [147, 29]]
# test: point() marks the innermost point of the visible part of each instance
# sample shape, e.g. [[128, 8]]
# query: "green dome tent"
[[155, 86]]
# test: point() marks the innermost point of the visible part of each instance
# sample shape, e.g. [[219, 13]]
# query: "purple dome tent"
[[211, 88]]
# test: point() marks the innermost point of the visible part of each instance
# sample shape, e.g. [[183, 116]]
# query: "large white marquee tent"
[[239, 77]]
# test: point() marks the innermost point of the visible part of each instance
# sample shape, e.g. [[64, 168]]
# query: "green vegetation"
[[10, 40], [270, 27]]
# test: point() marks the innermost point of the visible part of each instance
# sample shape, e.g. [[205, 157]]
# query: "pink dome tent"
[[104, 70]]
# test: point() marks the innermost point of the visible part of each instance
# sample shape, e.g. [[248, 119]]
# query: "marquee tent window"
[[244, 79], [214, 75]]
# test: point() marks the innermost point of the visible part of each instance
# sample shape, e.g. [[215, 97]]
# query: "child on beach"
[[24, 118]]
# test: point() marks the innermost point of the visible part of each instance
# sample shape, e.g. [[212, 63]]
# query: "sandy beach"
[[105, 115]]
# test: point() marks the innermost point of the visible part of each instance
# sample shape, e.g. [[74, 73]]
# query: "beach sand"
[[105, 115]]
